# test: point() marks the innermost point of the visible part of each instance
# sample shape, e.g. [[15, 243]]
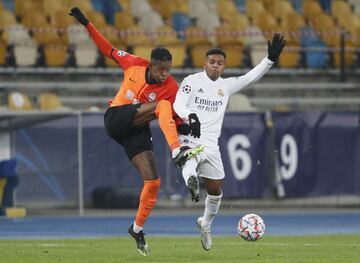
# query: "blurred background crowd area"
[[48, 61], [41, 33]]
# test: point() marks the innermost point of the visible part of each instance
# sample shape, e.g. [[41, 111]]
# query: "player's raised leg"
[[191, 179]]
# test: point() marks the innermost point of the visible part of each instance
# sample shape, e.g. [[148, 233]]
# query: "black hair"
[[216, 51], [161, 54]]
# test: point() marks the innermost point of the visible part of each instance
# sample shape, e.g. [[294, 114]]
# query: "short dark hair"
[[161, 54], [216, 51]]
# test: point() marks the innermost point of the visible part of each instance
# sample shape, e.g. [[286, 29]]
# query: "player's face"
[[160, 70], [214, 66]]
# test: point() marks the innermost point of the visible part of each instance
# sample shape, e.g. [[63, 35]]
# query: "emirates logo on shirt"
[[152, 96]]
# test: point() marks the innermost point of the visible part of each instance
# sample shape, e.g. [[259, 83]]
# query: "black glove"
[[183, 129], [194, 124], [76, 12], [275, 47]]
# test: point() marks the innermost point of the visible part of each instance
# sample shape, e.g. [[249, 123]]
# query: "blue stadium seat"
[[297, 4], [241, 5], [180, 22], [309, 39], [9, 5], [98, 5], [110, 7], [326, 5]]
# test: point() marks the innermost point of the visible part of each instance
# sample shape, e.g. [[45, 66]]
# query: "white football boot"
[[205, 235]]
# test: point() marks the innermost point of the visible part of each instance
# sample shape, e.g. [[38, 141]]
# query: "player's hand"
[[76, 12], [275, 47], [194, 124], [183, 129]]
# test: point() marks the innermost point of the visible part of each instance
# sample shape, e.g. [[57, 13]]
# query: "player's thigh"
[[145, 113]]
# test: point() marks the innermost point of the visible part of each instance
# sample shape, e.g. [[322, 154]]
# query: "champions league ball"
[[251, 227]]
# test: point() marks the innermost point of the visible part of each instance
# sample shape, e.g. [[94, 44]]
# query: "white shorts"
[[210, 165]]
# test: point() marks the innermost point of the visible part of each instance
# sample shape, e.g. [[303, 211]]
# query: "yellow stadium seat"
[[96, 18], [59, 19], [136, 35], [178, 53], [164, 7], [253, 7], [34, 19], [123, 20], [196, 36], [23, 7], [311, 9], [19, 101], [125, 5], [282, 8], [340, 8], [266, 22], [226, 35], [50, 7], [55, 55], [2, 53], [290, 57], [234, 55], [166, 35], [47, 35], [226, 9], [198, 53], [7, 18], [143, 51], [181, 6], [49, 101], [84, 5]]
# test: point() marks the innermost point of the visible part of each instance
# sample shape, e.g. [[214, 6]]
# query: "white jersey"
[[208, 99]]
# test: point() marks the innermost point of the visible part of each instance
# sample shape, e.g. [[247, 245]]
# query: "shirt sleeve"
[[237, 83], [182, 98], [123, 58]]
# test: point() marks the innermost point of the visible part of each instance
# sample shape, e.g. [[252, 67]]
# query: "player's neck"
[[148, 78]]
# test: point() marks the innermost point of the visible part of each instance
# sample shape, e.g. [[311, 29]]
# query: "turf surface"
[[327, 248]]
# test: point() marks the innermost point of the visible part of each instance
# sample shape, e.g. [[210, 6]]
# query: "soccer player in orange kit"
[[146, 93]]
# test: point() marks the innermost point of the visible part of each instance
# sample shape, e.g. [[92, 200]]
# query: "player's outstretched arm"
[[101, 42], [275, 47]]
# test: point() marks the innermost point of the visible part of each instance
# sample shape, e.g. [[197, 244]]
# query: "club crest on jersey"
[[152, 96], [221, 93], [186, 89], [121, 53]]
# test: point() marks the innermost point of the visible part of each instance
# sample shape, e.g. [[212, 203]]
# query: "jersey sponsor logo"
[[186, 89], [221, 93], [208, 105], [152, 96], [121, 53]]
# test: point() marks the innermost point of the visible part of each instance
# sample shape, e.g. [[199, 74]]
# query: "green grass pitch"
[[331, 248]]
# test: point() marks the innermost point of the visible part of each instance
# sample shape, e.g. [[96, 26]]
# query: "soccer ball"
[[251, 227]]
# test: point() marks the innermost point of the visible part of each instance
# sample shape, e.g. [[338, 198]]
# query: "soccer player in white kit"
[[202, 99]]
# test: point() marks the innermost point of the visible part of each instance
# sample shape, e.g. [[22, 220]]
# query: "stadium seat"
[[96, 18], [256, 43], [226, 9], [226, 35], [55, 55], [309, 39], [239, 102], [137, 35], [7, 18], [234, 55], [110, 8], [181, 6], [253, 7], [166, 35], [23, 7], [197, 54], [340, 8], [282, 8], [143, 51], [311, 9], [180, 22], [2, 52], [9, 5], [290, 57], [165, 8], [140, 7], [84, 5], [291, 24], [196, 36], [34, 19], [266, 21], [86, 55], [123, 20], [50, 7], [178, 53], [19, 101], [197, 8], [61, 21], [49, 101], [150, 20], [25, 54]]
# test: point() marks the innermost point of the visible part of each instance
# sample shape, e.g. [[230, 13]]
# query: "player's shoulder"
[[194, 77]]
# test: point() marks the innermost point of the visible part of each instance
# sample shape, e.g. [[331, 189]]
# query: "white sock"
[[189, 169], [212, 204], [175, 152], [137, 228]]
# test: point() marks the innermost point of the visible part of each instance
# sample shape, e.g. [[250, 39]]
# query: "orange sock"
[[167, 124], [147, 200]]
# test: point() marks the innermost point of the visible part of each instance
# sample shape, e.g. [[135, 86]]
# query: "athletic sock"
[[147, 201], [189, 169], [163, 112], [212, 204], [137, 228]]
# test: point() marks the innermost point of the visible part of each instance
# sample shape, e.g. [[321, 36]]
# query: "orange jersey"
[[134, 88]]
